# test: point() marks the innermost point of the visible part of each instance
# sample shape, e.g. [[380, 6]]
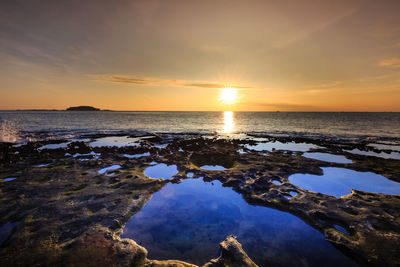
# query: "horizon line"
[[111, 110]]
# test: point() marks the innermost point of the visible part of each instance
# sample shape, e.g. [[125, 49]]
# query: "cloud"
[[319, 91], [124, 79], [390, 63], [162, 82]]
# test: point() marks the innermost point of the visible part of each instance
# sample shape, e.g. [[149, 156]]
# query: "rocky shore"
[[62, 212]]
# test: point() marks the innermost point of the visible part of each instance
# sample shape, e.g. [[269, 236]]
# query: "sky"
[[182, 55]]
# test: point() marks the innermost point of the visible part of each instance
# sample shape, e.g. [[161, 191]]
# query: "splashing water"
[[8, 132]]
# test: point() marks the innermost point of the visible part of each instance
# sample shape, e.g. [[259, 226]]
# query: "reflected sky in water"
[[186, 221], [339, 182], [161, 171], [271, 146], [327, 157]]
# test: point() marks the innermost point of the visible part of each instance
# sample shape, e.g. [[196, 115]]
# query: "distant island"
[[83, 108]]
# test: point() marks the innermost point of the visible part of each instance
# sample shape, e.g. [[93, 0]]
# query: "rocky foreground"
[[65, 213]]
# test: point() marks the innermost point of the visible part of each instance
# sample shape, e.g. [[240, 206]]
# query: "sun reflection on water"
[[229, 123]]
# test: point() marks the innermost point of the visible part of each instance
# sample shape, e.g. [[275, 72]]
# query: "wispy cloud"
[[390, 63], [325, 87], [163, 82]]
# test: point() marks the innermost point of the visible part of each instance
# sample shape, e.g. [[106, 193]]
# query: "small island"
[[83, 108]]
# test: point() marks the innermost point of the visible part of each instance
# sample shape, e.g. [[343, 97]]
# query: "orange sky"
[[178, 55]]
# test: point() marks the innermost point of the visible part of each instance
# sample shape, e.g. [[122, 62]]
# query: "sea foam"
[[8, 132]]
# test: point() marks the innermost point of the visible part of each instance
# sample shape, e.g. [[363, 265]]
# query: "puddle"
[[43, 165], [338, 182], [161, 171], [270, 146], [212, 167], [277, 182], [393, 155], [88, 154], [9, 179], [63, 145], [92, 154], [5, 231], [385, 147], [54, 146], [113, 167], [341, 229], [136, 155], [118, 141], [161, 146], [327, 157], [186, 221]]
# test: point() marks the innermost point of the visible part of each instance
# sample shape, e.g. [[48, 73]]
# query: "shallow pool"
[[338, 182], [393, 155], [136, 155], [54, 146], [213, 167], [161, 171], [395, 146], [327, 157], [119, 141], [112, 167], [9, 179], [292, 146], [186, 221]]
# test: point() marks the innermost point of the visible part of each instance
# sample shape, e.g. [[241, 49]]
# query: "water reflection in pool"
[[338, 182], [54, 146], [119, 141], [292, 146], [327, 157], [393, 155], [136, 155], [161, 171], [112, 167], [186, 221], [389, 146], [9, 179], [213, 167]]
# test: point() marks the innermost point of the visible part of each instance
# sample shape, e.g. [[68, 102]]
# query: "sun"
[[228, 96]]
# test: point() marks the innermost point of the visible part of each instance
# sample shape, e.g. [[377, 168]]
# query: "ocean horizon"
[[41, 125]]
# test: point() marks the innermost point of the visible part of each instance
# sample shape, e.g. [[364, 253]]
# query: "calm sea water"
[[20, 124]]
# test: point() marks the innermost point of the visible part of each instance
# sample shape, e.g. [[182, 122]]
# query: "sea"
[[22, 126]]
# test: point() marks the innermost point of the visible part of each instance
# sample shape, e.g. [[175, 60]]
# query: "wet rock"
[[5, 152], [232, 254], [79, 147]]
